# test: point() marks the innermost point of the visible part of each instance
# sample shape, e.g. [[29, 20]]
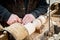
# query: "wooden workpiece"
[[20, 31]]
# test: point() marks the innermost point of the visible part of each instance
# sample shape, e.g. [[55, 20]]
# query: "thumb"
[[19, 20]]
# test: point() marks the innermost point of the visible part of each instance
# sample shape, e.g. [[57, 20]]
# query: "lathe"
[[36, 30]]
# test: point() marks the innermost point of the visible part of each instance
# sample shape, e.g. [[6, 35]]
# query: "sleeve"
[[4, 14], [41, 9]]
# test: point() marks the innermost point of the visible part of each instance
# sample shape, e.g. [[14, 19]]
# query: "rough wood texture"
[[17, 30]]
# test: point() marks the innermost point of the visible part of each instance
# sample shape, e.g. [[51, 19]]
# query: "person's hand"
[[13, 19], [28, 18]]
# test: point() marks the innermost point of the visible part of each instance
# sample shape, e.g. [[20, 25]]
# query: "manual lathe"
[[40, 29]]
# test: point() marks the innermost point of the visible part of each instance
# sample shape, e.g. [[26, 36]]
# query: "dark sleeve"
[[4, 14], [41, 9]]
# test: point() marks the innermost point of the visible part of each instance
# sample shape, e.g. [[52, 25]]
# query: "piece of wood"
[[17, 30]]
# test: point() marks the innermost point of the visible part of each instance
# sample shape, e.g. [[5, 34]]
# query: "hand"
[[28, 18], [13, 18]]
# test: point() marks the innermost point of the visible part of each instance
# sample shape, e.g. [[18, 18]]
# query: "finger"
[[9, 22], [24, 21], [19, 20], [25, 17], [12, 21], [27, 21], [30, 20]]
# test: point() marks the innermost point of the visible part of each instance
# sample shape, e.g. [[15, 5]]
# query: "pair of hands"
[[14, 18]]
